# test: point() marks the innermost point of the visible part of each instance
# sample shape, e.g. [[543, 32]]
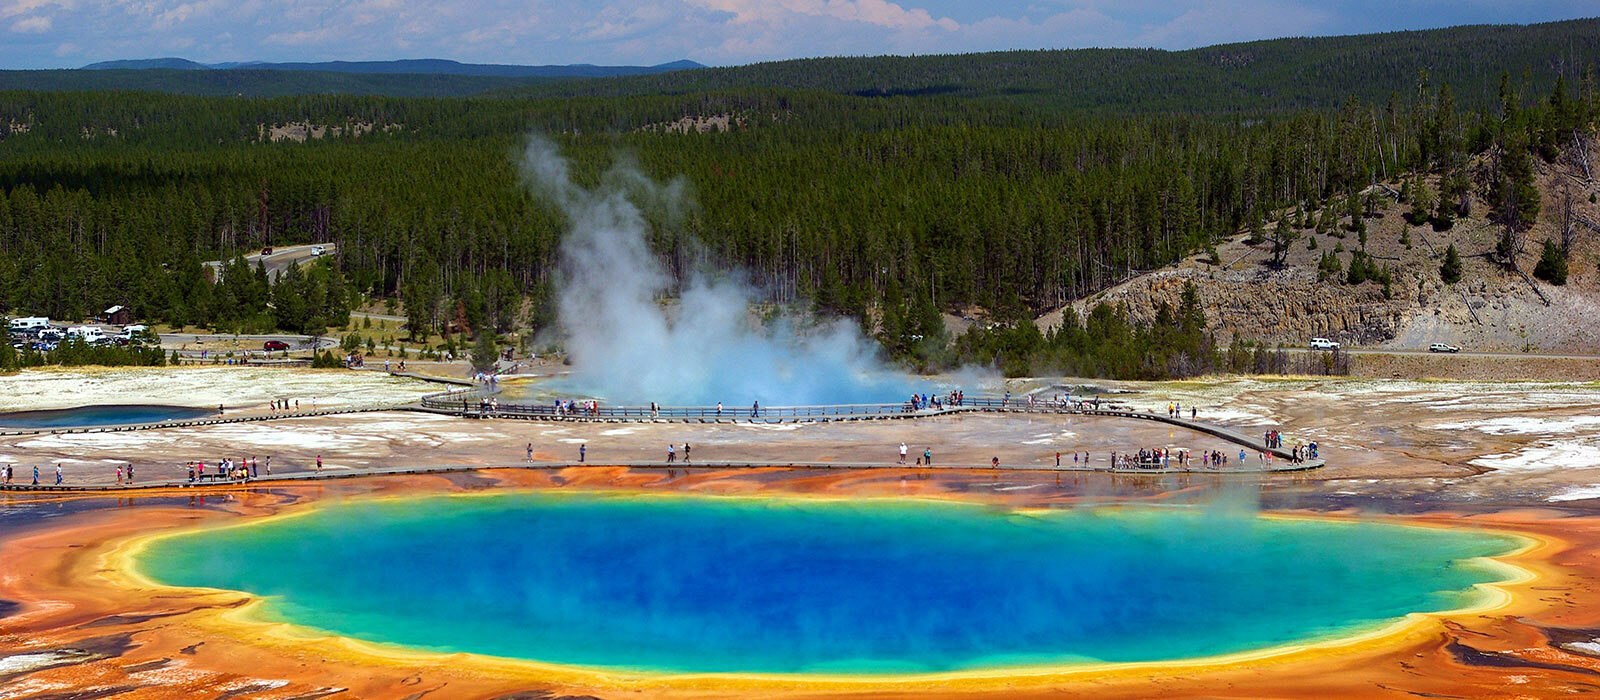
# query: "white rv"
[[29, 324], [87, 334]]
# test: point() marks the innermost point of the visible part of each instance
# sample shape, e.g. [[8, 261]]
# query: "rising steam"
[[626, 346]]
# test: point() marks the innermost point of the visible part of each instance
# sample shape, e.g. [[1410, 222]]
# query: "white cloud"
[[31, 25], [1222, 21], [13, 8], [879, 13]]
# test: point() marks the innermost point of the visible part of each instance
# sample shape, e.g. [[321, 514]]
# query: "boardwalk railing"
[[478, 402]]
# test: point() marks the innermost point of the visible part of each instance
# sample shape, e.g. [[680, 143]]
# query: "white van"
[[29, 324], [87, 334]]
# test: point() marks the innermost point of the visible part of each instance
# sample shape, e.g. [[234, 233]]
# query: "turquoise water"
[[701, 584], [84, 416]]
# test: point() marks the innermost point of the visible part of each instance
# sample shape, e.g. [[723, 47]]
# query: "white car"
[[318, 250], [1324, 344], [1441, 347]]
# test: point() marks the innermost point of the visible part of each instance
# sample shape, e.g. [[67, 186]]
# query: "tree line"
[[885, 208]]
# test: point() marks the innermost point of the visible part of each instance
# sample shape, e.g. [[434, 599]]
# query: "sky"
[[71, 33]]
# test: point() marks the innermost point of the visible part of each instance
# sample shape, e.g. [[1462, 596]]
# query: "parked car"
[[274, 345], [1324, 344], [1441, 347], [52, 335]]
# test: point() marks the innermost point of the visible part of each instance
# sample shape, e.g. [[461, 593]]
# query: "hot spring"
[[86, 416], [686, 584]]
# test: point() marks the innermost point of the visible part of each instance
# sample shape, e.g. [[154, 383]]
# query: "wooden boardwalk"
[[347, 473], [447, 404]]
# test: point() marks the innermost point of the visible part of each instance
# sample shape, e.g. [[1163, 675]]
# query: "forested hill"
[[403, 78], [1274, 74], [254, 83], [888, 209], [410, 66]]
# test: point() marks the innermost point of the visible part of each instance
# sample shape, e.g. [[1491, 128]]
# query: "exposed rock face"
[[1281, 306], [1493, 308]]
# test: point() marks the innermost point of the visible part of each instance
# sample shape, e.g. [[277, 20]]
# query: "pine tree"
[[1450, 271], [484, 352], [1552, 265], [1423, 202]]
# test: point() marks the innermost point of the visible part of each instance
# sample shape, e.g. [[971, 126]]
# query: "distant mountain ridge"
[[419, 66]]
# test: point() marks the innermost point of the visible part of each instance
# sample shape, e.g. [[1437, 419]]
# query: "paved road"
[[282, 257], [193, 343], [377, 317], [1463, 353]]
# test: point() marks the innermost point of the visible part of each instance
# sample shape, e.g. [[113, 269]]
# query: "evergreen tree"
[[1552, 265], [1450, 270], [484, 353], [1423, 202]]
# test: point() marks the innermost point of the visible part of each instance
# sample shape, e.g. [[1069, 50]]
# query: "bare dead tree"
[[1568, 231]]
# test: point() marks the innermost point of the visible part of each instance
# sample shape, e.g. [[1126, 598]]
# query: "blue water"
[[696, 584], [88, 416]]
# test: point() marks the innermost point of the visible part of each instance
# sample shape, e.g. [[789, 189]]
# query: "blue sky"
[[70, 33]]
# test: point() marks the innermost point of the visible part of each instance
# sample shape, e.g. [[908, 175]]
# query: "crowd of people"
[[935, 402], [572, 407], [224, 469], [1272, 439]]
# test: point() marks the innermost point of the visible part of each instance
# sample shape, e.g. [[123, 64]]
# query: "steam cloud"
[[626, 346]]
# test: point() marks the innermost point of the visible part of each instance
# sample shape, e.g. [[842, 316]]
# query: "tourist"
[[269, 465], [319, 463], [902, 453], [927, 457], [530, 452], [58, 475], [35, 475], [255, 467], [672, 453], [1058, 459], [583, 450], [719, 409], [755, 409], [686, 453], [994, 462], [119, 475]]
